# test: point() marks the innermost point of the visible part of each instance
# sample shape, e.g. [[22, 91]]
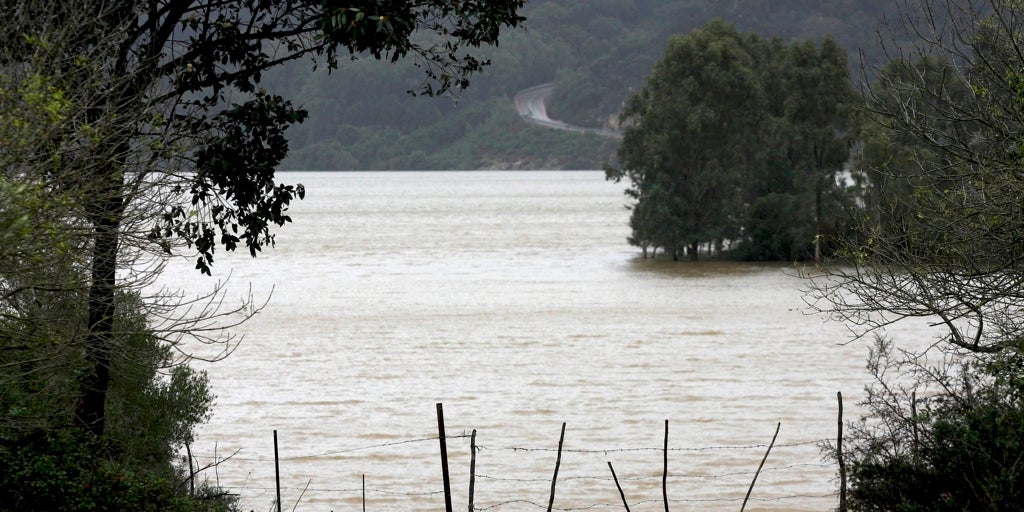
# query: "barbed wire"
[[420, 494], [482, 448], [330, 453], [563, 479], [657, 476], [649, 449]]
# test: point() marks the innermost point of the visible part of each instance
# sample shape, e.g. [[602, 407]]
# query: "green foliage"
[[777, 230], [41, 285], [234, 179], [735, 137], [30, 109], [58, 472], [48, 463], [154, 404], [893, 155], [681, 142], [955, 447], [940, 239]]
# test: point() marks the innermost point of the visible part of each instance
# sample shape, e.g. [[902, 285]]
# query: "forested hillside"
[[595, 51]]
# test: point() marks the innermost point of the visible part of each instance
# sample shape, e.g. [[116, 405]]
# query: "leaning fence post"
[[622, 494], [839, 456], [758, 472], [277, 472], [444, 459], [472, 467], [558, 462]]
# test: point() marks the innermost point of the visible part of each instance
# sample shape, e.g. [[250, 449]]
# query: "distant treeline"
[[596, 51]]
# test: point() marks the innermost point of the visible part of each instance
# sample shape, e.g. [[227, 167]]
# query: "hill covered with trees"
[[596, 52]]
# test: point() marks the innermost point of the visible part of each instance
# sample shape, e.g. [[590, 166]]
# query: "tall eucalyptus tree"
[[685, 140], [819, 131], [730, 137]]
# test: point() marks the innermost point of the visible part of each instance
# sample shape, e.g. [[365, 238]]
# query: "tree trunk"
[[694, 250], [90, 412], [817, 222]]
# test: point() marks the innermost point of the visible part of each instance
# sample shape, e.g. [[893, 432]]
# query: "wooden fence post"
[[558, 462], [444, 459], [839, 455], [277, 472], [472, 467], [664, 472]]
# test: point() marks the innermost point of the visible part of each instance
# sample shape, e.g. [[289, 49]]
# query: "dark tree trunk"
[[694, 248], [106, 213], [817, 223], [90, 412]]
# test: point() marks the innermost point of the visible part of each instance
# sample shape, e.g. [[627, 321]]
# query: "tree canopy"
[[136, 129], [740, 139], [938, 239]]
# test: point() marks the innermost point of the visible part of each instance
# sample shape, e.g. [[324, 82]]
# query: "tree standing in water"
[[730, 130]]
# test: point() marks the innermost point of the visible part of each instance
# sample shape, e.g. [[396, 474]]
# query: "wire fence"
[[504, 477]]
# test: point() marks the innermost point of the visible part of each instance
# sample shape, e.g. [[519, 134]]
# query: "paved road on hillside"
[[532, 105]]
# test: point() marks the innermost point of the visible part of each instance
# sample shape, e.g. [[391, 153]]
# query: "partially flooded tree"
[[683, 150], [740, 138]]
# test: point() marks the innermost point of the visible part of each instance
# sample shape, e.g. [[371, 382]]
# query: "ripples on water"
[[513, 299]]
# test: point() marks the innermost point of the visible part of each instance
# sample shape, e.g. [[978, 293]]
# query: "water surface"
[[513, 299]]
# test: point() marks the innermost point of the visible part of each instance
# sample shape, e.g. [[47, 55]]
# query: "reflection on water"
[[512, 298], [707, 269]]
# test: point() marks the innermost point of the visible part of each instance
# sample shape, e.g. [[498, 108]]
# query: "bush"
[[959, 448], [48, 462], [58, 472]]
